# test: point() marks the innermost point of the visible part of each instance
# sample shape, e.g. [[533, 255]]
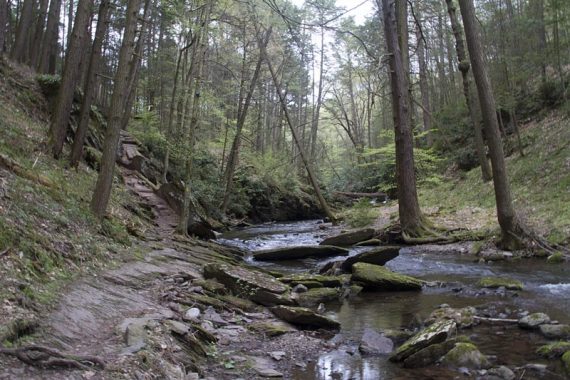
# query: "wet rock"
[[304, 317], [555, 331], [249, 283], [465, 355], [302, 252], [374, 343], [500, 373], [553, 350], [316, 296], [264, 368], [368, 243], [378, 256], [277, 355], [497, 282], [464, 317], [192, 314], [533, 321], [566, 361], [272, 329], [494, 255], [376, 277], [332, 268], [315, 280], [555, 258], [429, 355], [436, 333], [349, 238]]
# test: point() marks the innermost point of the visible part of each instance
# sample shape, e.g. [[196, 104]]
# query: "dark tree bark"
[[510, 226], [20, 48], [38, 33], [464, 68], [234, 152], [83, 125], [102, 191], [49, 48], [3, 23], [424, 85], [70, 77], [408, 205]]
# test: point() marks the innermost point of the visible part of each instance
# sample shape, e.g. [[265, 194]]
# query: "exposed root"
[[427, 233], [530, 239], [45, 357]]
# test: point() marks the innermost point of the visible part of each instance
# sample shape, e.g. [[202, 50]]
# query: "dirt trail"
[[90, 312]]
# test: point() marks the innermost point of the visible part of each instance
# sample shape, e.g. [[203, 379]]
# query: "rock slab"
[[374, 343], [349, 238], [436, 333], [378, 256], [300, 252], [304, 317], [376, 277]]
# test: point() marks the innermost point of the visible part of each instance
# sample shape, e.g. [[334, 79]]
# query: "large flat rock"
[[304, 317], [376, 277], [436, 333], [349, 238], [378, 256], [300, 252]]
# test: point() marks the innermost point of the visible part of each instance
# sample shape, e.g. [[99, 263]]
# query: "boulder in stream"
[[304, 317], [465, 355], [378, 256], [374, 343], [349, 238], [555, 331], [429, 355], [315, 280], [300, 252], [376, 277], [436, 333], [497, 282], [249, 283], [553, 350], [464, 317], [316, 296], [533, 321]]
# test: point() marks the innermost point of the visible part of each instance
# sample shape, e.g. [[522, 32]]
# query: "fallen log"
[[21, 171], [360, 195], [45, 357]]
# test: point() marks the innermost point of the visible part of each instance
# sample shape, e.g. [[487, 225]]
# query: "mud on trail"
[[136, 317]]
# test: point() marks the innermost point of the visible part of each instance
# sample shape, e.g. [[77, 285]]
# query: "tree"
[[464, 68], [89, 89], [411, 218], [104, 184], [3, 22], [70, 77], [20, 48], [49, 47], [511, 229]]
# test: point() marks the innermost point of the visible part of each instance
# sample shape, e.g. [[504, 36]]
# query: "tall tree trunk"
[[408, 205], [20, 48], [464, 68], [89, 91], [424, 86], [104, 184], [49, 48], [3, 25], [38, 32], [70, 77], [510, 225], [234, 152]]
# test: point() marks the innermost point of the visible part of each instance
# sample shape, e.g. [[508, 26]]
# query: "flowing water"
[[547, 289]]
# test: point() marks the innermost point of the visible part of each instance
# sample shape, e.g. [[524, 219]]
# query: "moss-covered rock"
[[436, 333], [275, 328], [315, 296], [464, 317], [555, 258], [553, 350], [376, 277], [349, 238], [465, 355], [566, 361], [555, 331], [379, 256], [497, 282], [315, 280], [304, 317], [533, 321]]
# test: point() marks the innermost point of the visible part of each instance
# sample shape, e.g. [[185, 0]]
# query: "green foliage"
[[49, 84], [361, 214]]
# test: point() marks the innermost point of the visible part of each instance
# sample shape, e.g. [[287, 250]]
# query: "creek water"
[[547, 289]]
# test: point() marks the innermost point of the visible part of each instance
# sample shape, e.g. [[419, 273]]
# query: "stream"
[[547, 289]]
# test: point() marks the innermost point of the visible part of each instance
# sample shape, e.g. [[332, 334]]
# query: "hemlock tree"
[[511, 228], [102, 191]]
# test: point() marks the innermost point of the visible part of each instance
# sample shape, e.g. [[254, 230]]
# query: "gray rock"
[[304, 317], [177, 327], [502, 372], [436, 333], [378, 256], [316, 296], [349, 238], [533, 321], [192, 314], [301, 252], [264, 367], [212, 315], [277, 355], [300, 288], [555, 331], [429, 355], [374, 343], [465, 355], [376, 277]]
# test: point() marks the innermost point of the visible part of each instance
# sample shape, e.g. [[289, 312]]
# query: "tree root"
[[427, 233], [530, 239], [45, 357]]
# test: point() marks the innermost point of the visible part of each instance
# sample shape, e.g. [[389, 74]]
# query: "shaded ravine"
[[546, 290]]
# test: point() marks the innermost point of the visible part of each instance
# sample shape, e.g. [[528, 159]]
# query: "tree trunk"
[[89, 91], [38, 32], [306, 163], [408, 205], [49, 48], [3, 23], [510, 226], [464, 68], [70, 77], [20, 48], [102, 191], [234, 152], [424, 86]]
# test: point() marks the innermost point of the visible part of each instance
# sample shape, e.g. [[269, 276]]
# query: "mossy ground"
[[47, 234]]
